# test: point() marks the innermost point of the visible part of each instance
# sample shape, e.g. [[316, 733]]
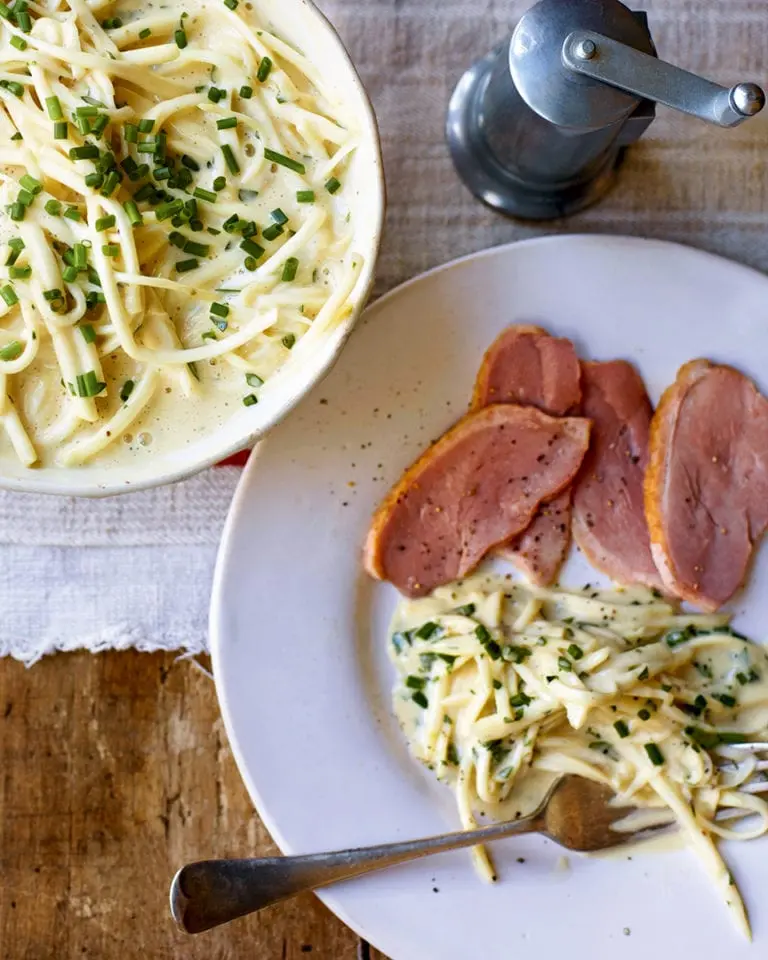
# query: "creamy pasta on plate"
[[503, 686]]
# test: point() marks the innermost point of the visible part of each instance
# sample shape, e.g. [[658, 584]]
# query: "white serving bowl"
[[301, 23]]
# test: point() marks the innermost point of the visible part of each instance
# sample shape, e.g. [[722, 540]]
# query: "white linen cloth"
[[135, 571]]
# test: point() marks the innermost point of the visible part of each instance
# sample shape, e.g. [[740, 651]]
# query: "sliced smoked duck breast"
[[609, 522], [479, 485], [706, 489], [527, 365]]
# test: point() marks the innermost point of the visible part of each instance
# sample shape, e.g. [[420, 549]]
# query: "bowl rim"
[[44, 481]]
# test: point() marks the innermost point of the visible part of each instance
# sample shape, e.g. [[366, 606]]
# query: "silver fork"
[[576, 813]]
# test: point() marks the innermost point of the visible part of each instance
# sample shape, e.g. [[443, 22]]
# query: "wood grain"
[[115, 772]]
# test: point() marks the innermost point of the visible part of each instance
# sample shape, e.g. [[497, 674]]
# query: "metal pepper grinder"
[[538, 128]]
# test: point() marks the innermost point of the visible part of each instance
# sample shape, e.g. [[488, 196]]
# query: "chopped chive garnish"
[[89, 334], [177, 239], [112, 23], [644, 714], [226, 123], [250, 400], [60, 130], [131, 133], [198, 249], [189, 162], [143, 34], [208, 195], [72, 213], [305, 196], [246, 92], [254, 380], [126, 390], [94, 180], [209, 335], [88, 111], [20, 273], [279, 217], [11, 351], [725, 698], [420, 700], [133, 213], [17, 245], [19, 42], [111, 250], [146, 125], [9, 295], [219, 183], [215, 94], [575, 652], [284, 161], [265, 68], [53, 207], [104, 223], [252, 249], [621, 728], [88, 151], [162, 173], [219, 310], [24, 20], [289, 269], [232, 4], [88, 385], [181, 39], [250, 263], [229, 158], [53, 294], [30, 183], [80, 256], [184, 266], [333, 185], [654, 754], [169, 209], [272, 232], [565, 664], [288, 342], [99, 125], [17, 211], [5, 11]]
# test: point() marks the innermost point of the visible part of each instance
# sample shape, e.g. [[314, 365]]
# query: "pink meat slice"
[[706, 490], [477, 487], [609, 521], [526, 365]]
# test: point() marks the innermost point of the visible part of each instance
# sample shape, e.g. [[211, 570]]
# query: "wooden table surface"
[[115, 771]]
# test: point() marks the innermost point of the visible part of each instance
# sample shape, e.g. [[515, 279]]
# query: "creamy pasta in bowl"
[[191, 201]]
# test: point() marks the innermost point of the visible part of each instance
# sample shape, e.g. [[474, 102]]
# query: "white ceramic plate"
[[299, 632]]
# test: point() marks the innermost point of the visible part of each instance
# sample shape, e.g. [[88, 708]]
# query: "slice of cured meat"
[[540, 551], [526, 365], [608, 508], [706, 489], [479, 485]]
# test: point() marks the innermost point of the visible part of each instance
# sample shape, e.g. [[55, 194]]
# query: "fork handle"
[[211, 892]]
